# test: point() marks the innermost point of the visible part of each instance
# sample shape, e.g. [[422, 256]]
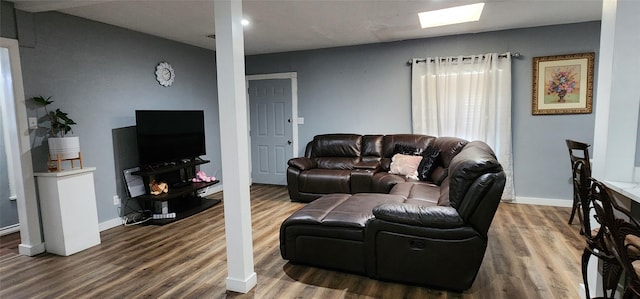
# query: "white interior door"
[[271, 129]]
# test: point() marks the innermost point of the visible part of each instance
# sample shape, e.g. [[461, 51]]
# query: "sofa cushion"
[[341, 210], [449, 147], [383, 182], [324, 181], [336, 145], [336, 162], [416, 192], [439, 174], [443, 200], [371, 145], [302, 163], [475, 160], [436, 217]]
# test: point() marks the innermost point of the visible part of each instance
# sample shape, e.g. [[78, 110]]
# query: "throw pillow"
[[407, 150], [430, 160], [406, 165]]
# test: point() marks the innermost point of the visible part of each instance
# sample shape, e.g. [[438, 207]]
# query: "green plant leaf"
[[60, 123], [42, 101]]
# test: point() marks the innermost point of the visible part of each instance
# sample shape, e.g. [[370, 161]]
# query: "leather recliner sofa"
[[417, 232], [350, 163]]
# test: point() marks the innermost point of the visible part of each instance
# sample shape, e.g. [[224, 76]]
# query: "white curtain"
[[467, 97]]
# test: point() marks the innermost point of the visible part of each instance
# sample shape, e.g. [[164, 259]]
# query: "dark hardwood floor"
[[532, 253], [9, 244]]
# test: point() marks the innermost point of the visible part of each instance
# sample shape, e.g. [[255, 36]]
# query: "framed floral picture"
[[563, 84]]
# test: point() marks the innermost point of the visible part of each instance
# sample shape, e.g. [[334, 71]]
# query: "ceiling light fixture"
[[452, 15]]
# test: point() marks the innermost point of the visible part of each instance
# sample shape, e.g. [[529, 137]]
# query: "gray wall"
[[100, 74], [366, 89], [7, 20]]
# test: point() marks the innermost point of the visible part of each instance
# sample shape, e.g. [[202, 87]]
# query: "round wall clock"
[[165, 74]]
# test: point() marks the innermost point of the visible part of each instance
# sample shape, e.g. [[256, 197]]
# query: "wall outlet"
[[116, 200], [33, 123]]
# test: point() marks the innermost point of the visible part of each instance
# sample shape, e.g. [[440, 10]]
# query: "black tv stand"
[[181, 198], [181, 184]]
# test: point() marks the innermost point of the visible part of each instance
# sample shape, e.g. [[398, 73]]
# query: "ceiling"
[[291, 25]]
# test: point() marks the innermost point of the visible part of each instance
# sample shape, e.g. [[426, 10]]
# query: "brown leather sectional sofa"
[[367, 221], [350, 163]]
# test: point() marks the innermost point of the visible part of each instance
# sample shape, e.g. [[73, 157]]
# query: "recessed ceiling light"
[[245, 22], [452, 15]]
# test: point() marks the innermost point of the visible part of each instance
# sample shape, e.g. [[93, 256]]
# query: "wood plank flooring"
[[532, 253]]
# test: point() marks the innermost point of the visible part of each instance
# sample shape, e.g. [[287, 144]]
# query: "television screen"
[[169, 135]]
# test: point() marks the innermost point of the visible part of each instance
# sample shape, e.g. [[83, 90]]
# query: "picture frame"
[[563, 84]]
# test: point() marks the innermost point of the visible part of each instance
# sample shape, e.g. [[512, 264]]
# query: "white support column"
[[232, 103], [14, 106], [617, 98], [617, 103]]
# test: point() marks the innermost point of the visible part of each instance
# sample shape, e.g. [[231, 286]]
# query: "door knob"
[[288, 141]]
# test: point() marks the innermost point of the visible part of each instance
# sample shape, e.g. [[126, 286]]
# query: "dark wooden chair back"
[[622, 237], [578, 151], [581, 187], [597, 202]]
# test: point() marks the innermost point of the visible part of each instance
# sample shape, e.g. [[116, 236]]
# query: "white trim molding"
[[544, 201], [31, 250], [102, 226], [242, 286], [9, 229]]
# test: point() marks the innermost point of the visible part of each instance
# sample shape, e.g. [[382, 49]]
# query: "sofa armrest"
[[373, 165], [302, 163], [435, 216]]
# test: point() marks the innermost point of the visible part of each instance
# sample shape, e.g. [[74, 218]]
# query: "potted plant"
[[61, 146]]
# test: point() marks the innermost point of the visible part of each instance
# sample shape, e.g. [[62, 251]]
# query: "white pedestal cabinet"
[[68, 210]]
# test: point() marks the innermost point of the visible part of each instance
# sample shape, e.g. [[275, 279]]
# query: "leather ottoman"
[[329, 232]]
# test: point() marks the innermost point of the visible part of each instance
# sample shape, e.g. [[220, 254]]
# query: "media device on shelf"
[[169, 136]]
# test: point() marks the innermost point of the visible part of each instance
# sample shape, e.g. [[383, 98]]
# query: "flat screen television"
[[169, 135]]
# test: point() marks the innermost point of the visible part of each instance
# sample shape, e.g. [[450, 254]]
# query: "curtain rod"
[[514, 55]]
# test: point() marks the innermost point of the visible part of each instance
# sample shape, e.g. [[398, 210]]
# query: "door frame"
[[293, 76]]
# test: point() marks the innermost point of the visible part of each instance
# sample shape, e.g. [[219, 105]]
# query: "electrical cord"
[[136, 216]]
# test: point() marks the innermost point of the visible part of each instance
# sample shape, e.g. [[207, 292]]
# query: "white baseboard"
[[544, 201], [31, 250], [10, 229], [102, 226], [242, 285], [28, 250], [110, 224]]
